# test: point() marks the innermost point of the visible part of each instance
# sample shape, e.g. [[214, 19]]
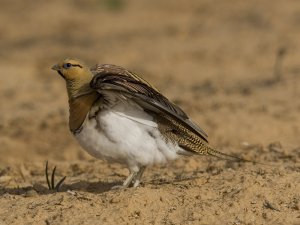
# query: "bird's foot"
[[136, 183], [118, 187]]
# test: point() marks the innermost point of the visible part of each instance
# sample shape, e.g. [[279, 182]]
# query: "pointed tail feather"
[[221, 155]]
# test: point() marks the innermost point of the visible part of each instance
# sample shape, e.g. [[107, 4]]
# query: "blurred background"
[[232, 65]]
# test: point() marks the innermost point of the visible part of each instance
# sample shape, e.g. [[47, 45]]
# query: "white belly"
[[126, 134]]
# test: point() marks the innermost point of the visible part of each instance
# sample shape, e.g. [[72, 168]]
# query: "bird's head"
[[72, 70], [76, 74]]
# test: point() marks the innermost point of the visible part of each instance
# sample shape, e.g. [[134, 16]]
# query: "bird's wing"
[[117, 79]]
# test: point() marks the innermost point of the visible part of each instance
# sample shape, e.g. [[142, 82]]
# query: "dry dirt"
[[232, 65]]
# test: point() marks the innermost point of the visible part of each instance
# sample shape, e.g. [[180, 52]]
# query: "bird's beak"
[[56, 67]]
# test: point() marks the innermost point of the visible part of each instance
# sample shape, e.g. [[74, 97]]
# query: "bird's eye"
[[67, 65]]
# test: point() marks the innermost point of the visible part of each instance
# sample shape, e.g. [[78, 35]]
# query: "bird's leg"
[[129, 179], [127, 182], [134, 177], [137, 178]]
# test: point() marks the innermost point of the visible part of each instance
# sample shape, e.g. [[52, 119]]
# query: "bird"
[[119, 117]]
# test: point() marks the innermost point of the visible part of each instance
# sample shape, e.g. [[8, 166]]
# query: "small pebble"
[[5, 178], [31, 193]]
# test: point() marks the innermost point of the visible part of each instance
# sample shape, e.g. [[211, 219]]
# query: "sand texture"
[[233, 66]]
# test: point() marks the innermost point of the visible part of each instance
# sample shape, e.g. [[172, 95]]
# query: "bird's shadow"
[[92, 187], [86, 186]]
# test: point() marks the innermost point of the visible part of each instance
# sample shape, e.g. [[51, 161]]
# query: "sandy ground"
[[216, 59]]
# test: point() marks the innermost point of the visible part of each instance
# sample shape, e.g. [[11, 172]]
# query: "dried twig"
[[268, 205]]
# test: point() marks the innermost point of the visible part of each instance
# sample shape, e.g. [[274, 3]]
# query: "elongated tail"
[[210, 151], [190, 141], [205, 149]]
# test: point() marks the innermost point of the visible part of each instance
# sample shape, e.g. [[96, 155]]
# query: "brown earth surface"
[[232, 65]]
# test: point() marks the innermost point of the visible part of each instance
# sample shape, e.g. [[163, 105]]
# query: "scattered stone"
[[5, 178], [275, 147], [31, 193]]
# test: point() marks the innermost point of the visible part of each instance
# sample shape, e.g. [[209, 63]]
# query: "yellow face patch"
[[70, 69]]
